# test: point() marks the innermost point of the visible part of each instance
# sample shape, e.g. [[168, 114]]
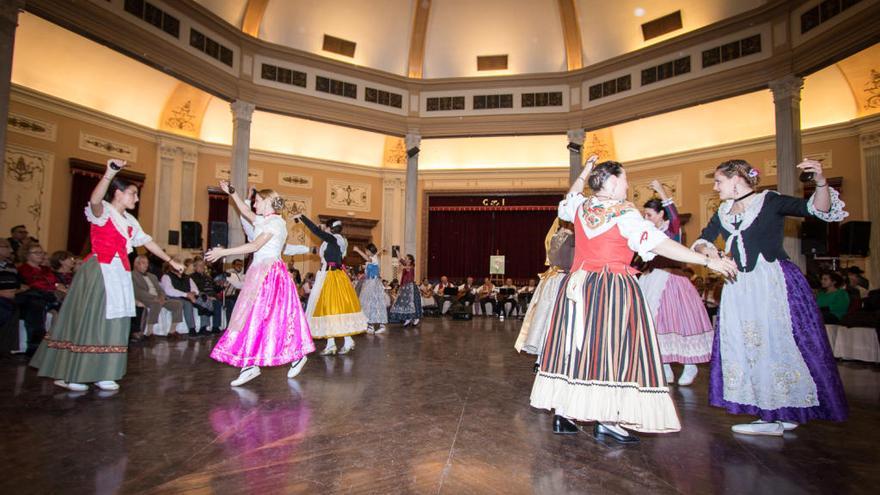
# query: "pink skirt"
[[684, 332], [268, 326]]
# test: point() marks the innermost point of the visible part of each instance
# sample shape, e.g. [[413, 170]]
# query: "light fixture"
[[639, 12]]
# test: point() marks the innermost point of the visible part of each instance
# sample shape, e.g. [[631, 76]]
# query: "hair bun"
[[278, 203]]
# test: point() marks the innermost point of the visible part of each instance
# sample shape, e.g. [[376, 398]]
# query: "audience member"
[[62, 264], [18, 235], [832, 299], [209, 305], [148, 292], [180, 287]]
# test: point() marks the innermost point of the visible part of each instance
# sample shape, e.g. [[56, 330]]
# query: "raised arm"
[[243, 209], [324, 236], [578, 185], [96, 200], [247, 248], [361, 253]]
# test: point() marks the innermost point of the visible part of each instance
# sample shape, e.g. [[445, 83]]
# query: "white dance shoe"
[[775, 429], [107, 385], [382, 329], [247, 374], [329, 351], [670, 376], [687, 377], [76, 387], [346, 349], [296, 367], [416, 322]]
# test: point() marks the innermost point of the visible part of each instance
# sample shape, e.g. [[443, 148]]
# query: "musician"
[[442, 299], [426, 291], [487, 293], [524, 295], [506, 299]]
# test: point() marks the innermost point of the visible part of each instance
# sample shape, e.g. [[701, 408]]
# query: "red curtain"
[[461, 241]]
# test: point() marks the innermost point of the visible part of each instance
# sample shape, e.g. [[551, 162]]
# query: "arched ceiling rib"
[[571, 31], [417, 41], [253, 17]]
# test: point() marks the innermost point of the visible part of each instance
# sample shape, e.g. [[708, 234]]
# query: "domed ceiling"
[[534, 34]]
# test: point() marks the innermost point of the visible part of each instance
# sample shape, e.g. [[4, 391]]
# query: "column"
[[242, 112], [393, 199], [870, 144], [413, 141], [8, 22], [175, 195], [787, 104], [575, 153]]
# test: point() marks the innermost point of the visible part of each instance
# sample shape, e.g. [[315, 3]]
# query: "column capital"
[[577, 136], [412, 140], [786, 88], [870, 139], [242, 110]]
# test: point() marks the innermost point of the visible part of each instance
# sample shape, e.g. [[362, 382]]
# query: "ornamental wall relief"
[[347, 195], [295, 180], [107, 147], [222, 171], [297, 233], [640, 189], [30, 126], [27, 192]]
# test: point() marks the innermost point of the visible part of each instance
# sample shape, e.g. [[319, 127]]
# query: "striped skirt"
[[600, 360]]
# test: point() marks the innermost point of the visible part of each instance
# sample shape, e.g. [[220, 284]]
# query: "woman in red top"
[[600, 361], [89, 341]]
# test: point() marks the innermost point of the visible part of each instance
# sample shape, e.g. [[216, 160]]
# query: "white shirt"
[[150, 287], [170, 291]]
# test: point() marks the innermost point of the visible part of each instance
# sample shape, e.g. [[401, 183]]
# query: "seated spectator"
[[10, 287], [19, 234], [209, 305], [40, 295], [233, 284], [856, 280], [148, 292], [180, 287], [62, 264], [305, 290], [832, 299]]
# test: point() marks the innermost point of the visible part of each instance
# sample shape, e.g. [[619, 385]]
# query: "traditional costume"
[[407, 308], [268, 326], [683, 329], [600, 361], [334, 309], [372, 295], [771, 356], [89, 340], [560, 250]]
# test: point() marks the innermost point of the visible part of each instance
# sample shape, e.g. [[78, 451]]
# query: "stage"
[[443, 408]]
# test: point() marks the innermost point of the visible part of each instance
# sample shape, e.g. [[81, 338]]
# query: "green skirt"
[[83, 346]]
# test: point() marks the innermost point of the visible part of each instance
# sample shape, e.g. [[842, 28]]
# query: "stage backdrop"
[[463, 231]]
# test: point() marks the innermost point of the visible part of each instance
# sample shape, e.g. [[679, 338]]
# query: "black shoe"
[[537, 368], [192, 333], [216, 330], [600, 430], [563, 426]]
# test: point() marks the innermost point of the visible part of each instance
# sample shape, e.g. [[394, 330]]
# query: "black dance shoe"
[[537, 368], [600, 430], [563, 426]]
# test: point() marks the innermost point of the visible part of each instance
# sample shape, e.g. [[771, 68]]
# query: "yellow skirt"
[[338, 310]]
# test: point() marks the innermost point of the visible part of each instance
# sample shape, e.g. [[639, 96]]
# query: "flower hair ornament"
[[753, 172], [277, 203]]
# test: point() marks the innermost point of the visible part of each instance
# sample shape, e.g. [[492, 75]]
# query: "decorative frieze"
[[108, 147], [296, 231], [301, 181], [30, 126], [26, 194], [823, 156], [222, 171], [641, 190]]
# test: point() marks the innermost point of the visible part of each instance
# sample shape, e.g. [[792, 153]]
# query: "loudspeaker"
[[855, 237], [814, 237], [574, 147], [191, 235], [173, 237], [412, 152], [218, 234], [462, 315]]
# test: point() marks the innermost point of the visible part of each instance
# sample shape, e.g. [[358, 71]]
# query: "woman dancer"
[[601, 361], [408, 305], [680, 319], [267, 326], [89, 341], [771, 356], [560, 251], [334, 309], [372, 295]]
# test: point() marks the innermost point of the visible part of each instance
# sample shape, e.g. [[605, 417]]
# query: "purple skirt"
[[811, 341]]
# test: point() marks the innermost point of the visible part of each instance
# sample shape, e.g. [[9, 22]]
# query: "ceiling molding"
[[253, 17], [417, 40], [571, 31]]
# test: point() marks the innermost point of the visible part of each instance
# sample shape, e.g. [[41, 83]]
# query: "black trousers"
[[32, 306]]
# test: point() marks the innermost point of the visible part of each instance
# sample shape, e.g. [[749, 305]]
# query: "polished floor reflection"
[[439, 409]]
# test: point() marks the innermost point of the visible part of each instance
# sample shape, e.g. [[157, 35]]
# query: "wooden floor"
[[439, 409]]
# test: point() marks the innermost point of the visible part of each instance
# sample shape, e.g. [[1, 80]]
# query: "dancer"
[[680, 319], [334, 309], [268, 326], [407, 308], [559, 244], [771, 356], [89, 340], [600, 361], [372, 294]]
